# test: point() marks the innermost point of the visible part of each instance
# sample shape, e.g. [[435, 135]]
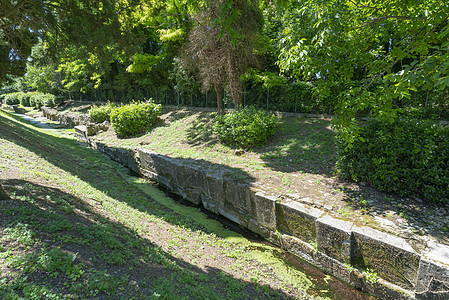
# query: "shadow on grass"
[[306, 145], [112, 255], [111, 260], [202, 132]]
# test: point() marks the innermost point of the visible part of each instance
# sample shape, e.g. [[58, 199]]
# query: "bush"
[[134, 118], [409, 157], [99, 114], [38, 100], [245, 128], [11, 98], [25, 99]]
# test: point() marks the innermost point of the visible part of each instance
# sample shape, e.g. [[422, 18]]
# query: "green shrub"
[[409, 157], [38, 100], [11, 98], [134, 118], [25, 99], [99, 114], [245, 128]]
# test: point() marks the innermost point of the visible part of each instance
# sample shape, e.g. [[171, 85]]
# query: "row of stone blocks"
[[337, 246]]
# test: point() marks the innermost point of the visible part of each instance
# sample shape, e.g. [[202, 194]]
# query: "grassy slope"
[[300, 156], [299, 162], [79, 227]]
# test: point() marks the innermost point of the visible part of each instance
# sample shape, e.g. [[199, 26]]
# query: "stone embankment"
[[379, 263]]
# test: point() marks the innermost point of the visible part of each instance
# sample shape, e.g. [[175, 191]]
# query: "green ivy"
[[245, 128], [407, 156], [134, 118]]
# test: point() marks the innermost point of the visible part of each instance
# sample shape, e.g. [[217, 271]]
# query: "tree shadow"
[[202, 132], [411, 218], [306, 145], [115, 261]]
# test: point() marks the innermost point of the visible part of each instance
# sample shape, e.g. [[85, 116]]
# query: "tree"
[[222, 45], [379, 51], [24, 22]]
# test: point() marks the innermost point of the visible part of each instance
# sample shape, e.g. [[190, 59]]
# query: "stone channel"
[[335, 245]]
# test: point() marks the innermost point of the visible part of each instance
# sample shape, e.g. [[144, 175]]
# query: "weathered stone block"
[[298, 247], [236, 195], [333, 266], [334, 238], [234, 215], [265, 210], [391, 257], [214, 195], [154, 167], [298, 220], [81, 132], [433, 273], [19, 110]]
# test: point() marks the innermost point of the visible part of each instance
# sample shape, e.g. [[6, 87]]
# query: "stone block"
[[214, 195], [237, 195], [265, 210], [189, 181], [433, 273], [298, 247], [334, 238], [81, 132], [19, 110], [298, 220], [391, 257], [333, 266]]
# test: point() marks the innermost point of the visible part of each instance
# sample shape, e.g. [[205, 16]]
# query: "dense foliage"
[[245, 128], [377, 59], [99, 114], [131, 119], [408, 156], [31, 99]]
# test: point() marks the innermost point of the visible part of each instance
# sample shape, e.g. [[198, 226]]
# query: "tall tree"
[[24, 22], [222, 44], [379, 51]]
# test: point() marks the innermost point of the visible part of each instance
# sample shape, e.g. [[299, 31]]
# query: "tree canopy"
[[348, 57]]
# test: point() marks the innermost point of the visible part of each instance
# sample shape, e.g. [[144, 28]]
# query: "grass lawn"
[[297, 163], [79, 226]]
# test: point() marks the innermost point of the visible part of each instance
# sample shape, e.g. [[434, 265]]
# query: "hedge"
[[409, 157]]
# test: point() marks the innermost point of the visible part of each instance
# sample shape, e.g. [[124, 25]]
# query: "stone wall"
[[337, 246]]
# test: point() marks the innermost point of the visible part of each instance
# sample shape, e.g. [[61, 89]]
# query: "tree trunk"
[[218, 91], [3, 194], [235, 84]]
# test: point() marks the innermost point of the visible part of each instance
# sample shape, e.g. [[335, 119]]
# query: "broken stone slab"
[[296, 219], [18, 109], [81, 132], [7, 107], [94, 128], [433, 274], [391, 257]]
